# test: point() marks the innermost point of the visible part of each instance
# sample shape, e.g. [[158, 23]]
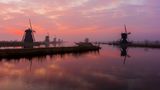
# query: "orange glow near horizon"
[[74, 20]]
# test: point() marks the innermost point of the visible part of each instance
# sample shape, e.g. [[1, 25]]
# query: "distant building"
[[47, 40], [86, 40], [55, 40], [59, 40]]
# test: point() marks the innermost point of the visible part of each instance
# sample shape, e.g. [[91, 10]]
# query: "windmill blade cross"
[[129, 33], [125, 28], [30, 23]]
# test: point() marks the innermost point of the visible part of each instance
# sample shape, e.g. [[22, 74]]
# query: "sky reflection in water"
[[102, 70]]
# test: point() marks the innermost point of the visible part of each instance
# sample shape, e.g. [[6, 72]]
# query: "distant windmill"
[[29, 34], [124, 36], [47, 40]]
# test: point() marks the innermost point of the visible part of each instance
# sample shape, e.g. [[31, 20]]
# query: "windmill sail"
[[23, 37], [30, 24], [125, 28]]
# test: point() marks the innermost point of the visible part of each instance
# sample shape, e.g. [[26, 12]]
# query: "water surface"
[[103, 70]]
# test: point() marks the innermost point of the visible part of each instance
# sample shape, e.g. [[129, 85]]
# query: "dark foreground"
[[13, 53]]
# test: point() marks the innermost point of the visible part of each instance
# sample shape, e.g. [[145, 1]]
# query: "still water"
[[103, 70]]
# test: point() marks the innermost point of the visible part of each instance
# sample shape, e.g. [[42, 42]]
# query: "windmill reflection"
[[124, 53], [43, 58]]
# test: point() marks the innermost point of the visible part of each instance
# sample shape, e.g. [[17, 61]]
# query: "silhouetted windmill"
[[124, 36], [47, 40], [29, 34]]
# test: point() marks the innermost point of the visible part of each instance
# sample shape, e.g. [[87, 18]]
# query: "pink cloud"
[[76, 18]]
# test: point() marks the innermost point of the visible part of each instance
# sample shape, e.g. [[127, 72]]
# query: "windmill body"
[[28, 37], [47, 41], [124, 36]]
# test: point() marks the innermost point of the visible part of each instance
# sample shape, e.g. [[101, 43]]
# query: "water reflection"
[[51, 55], [87, 71], [124, 53], [44, 57]]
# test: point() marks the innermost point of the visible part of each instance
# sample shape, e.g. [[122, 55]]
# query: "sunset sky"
[[76, 19]]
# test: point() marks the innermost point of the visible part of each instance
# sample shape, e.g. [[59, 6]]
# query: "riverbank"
[[6, 53], [134, 44]]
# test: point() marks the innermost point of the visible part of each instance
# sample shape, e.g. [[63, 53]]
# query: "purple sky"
[[76, 19]]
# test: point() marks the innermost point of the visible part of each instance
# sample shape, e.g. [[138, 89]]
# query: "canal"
[[111, 68]]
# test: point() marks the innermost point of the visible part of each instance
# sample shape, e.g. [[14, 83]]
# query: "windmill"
[[29, 34], [47, 40], [124, 36]]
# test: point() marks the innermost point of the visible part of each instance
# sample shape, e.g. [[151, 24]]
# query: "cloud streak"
[[66, 18]]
